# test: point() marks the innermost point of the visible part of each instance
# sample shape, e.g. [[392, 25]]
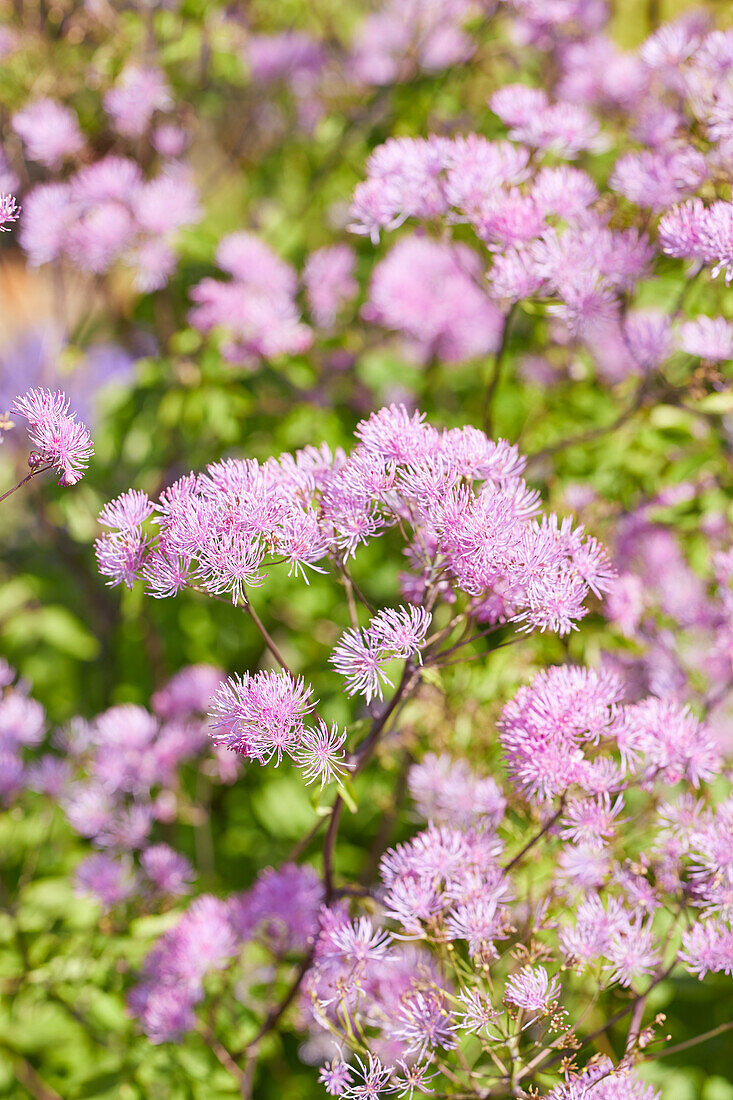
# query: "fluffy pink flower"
[[532, 989], [138, 93], [61, 440], [49, 131], [262, 715]]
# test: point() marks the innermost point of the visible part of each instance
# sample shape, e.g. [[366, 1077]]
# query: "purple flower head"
[[633, 951], [169, 871], [49, 775], [413, 1077], [281, 910], [188, 692], [591, 821], [357, 943], [107, 879], [49, 131], [166, 1013], [335, 1077], [564, 191], [12, 774], [122, 555], [137, 95], [166, 203], [648, 337], [707, 947], [361, 655], [476, 1013], [61, 440], [425, 1022], [426, 290], [320, 753], [128, 511], [700, 233], [256, 311], [22, 721], [261, 716], [371, 1079], [532, 990], [710, 338], [657, 179]]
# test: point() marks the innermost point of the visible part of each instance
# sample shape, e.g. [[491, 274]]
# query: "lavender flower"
[[61, 440]]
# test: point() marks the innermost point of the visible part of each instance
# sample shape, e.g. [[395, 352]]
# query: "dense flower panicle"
[[461, 493], [62, 441], [671, 742], [121, 773], [281, 910], [402, 39], [458, 942], [49, 131], [256, 310], [173, 972], [261, 716], [545, 727], [428, 292], [106, 214]]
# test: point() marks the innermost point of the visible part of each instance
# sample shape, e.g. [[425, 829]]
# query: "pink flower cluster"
[[279, 912], [256, 309], [471, 514], [263, 718], [62, 441], [107, 213]]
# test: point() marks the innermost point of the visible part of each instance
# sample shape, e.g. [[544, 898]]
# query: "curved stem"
[[266, 637], [536, 838], [32, 474]]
